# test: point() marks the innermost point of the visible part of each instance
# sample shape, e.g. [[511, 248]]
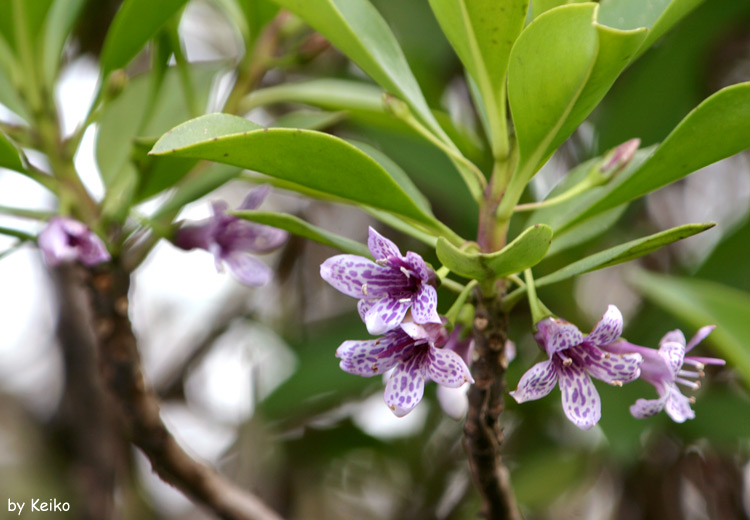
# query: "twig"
[[482, 433], [120, 368]]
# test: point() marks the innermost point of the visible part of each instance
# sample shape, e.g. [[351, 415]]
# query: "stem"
[[483, 436], [120, 369]]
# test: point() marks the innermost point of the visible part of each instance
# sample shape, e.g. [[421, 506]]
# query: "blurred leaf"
[[699, 303], [586, 230], [540, 6], [624, 252], [59, 23], [304, 229], [482, 33], [656, 15], [21, 235], [359, 31], [313, 159], [715, 129], [156, 174], [309, 119], [136, 23], [122, 118], [546, 475], [525, 251], [256, 14], [199, 182], [549, 66], [10, 82], [11, 156]]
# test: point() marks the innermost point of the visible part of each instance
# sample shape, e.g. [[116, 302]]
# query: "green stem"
[[26, 213], [538, 310]]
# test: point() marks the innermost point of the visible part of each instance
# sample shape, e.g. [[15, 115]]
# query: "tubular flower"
[[68, 240], [572, 359], [664, 368], [412, 351], [232, 240], [388, 287]]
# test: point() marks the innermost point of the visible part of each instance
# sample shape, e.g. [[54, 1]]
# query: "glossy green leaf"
[[715, 129], [11, 156], [699, 303], [312, 159], [304, 229], [540, 6], [482, 33], [656, 15], [525, 251], [615, 50], [624, 252], [359, 31], [309, 119], [135, 23], [60, 20], [549, 66]]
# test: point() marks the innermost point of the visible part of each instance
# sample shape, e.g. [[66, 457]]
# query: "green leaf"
[[549, 66], [525, 251], [624, 252], [11, 156], [699, 303], [656, 15], [309, 119], [304, 229], [715, 129], [135, 23], [359, 31], [316, 160], [195, 185], [540, 6], [57, 27], [482, 33], [256, 14]]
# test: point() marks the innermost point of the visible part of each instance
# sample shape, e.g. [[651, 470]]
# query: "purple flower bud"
[[66, 240], [573, 358], [232, 240]]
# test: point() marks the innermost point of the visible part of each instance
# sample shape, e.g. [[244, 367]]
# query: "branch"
[[482, 433], [120, 368]]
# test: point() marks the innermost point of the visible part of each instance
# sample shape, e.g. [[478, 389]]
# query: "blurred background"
[[248, 377]]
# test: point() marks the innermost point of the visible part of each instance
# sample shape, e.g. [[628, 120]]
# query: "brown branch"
[[120, 368], [482, 433]]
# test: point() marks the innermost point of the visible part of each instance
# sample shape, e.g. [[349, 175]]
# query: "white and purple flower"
[[66, 240], [388, 287], [412, 351], [664, 368], [233, 241], [573, 358]]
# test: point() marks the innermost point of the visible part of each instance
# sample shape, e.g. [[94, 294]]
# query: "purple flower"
[[572, 359], [232, 240], [68, 240], [663, 368], [388, 287], [411, 350]]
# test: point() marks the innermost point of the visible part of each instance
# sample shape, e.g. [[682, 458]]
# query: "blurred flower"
[[411, 350], [663, 368], [68, 240], [572, 359], [388, 287], [454, 401], [232, 240]]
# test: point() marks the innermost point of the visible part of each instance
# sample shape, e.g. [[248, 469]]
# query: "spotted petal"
[[354, 275], [367, 358], [537, 382], [381, 247], [248, 269], [673, 335], [647, 407], [699, 336], [673, 354], [555, 335], [446, 368], [615, 369], [580, 399], [608, 329], [405, 388], [678, 406], [418, 266], [424, 305], [385, 314]]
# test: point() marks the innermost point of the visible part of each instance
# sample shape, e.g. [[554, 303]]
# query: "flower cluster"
[[575, 358], [233, 241], [398, 300]]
